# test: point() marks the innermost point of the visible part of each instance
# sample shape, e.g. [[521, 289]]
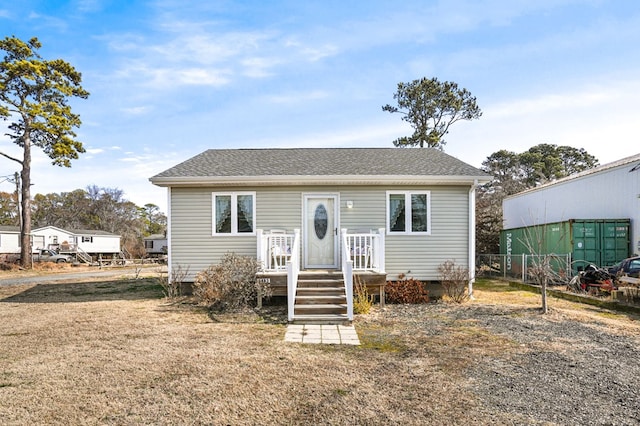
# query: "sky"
[[169, 79]]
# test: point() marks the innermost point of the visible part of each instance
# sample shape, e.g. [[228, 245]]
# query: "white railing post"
[[347, 274], [381, 250], [348, 284], [293, 267], [259, 245]]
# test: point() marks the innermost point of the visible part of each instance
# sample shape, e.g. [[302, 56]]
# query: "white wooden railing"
[[293, 268], [365, 250], [279, 252], [347, 273], [275, 249]]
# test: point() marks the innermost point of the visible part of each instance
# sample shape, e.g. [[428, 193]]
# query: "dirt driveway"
[[116, 352]]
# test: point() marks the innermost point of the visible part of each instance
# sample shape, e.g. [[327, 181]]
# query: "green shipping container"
[[602, 242]]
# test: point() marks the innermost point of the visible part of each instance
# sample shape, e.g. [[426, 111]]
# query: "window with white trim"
[[234, 213], [409, 212]]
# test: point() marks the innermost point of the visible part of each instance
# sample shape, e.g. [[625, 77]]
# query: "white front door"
[[320, 234]]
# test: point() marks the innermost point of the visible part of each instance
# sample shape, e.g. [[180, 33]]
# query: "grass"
[[117, 352]]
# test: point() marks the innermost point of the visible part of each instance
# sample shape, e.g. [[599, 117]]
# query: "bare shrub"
[[231, 285], [362, 300], [406, 290], [455, 280], [172, 282]]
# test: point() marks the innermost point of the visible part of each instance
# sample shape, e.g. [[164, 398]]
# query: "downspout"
[[168, 232], [472, 236]]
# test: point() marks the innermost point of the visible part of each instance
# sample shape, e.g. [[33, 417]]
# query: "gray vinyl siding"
[[193, 245], [419, 256]]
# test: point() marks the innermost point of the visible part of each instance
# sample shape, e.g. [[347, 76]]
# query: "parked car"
[[629, 266], [46, 255]]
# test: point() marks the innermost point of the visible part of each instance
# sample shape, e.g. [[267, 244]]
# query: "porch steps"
[[320, 299]]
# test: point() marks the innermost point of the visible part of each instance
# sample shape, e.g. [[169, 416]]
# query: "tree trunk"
[[25, 229], [543, 291]]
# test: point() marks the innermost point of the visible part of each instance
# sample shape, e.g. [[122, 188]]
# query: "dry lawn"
[[117, 352]]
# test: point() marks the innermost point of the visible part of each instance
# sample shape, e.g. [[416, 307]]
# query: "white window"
[[87, 239], [148, 244], [234, 213], [409, 212]]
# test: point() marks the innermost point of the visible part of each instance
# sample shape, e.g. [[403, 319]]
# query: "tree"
[[545, 162], [8, 210], [34, 93], [155, 221], [102, 209], [431, 107], [513, 173]]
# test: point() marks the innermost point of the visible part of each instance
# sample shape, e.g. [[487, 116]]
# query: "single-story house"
[[155, 244], [80, 243], [382, 211], [9, 239], [92, 242]]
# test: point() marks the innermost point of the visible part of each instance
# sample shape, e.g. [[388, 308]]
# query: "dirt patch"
[[116, 352]]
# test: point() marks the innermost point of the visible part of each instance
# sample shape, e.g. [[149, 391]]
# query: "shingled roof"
[[370, 165]]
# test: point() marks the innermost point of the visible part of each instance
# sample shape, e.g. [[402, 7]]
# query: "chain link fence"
[[524, 267]]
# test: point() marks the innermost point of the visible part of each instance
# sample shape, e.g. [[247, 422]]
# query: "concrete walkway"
[[327, 334]]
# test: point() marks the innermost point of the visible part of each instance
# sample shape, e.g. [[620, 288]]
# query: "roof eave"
[[318, 180]]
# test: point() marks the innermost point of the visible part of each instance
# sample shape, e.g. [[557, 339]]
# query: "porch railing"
[[347, 273], [365, 250], [279, 251], [275, 249], [293, 268]]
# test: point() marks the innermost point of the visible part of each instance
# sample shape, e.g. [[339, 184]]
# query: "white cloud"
[[292, 98], [139, 110], [600, 119]]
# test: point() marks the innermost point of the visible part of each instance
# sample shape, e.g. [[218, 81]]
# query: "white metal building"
[[610, 191]]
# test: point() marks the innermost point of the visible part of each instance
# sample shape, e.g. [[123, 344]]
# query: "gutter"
[[272, 180]]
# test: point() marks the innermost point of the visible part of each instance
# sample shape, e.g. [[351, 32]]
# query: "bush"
[[172, 283], [455, 281], [406, 290], [5, 266], [231, 285], [362, 300]]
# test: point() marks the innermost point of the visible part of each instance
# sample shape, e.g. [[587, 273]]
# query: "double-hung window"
[[234, 213], [409, 212]]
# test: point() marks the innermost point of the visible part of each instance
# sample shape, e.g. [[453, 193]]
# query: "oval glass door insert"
[[320, 221]]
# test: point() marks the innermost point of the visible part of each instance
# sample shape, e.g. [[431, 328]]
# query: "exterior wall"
[[9, 242], [610, 194], [193, 245], [156, 246], [50, 235], [100, 244]]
